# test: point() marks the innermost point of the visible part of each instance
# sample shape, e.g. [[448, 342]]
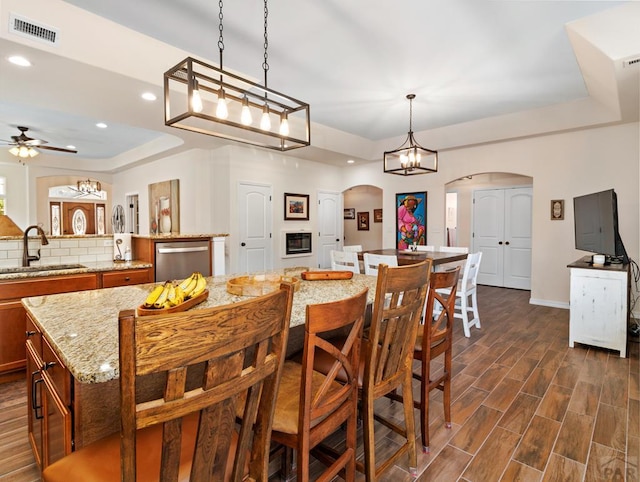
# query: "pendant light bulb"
[[196, 100], [284, 124], [221, 110], [245, 116], [15, 151], [33, 152], [265, 121]]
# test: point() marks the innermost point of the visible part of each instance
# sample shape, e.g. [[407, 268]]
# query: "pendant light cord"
[[221, 36], [265, 64]]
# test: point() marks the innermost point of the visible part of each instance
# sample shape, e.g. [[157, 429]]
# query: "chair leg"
[[474, 304], [424, 406], [369, 440], [446, 392], [409, 423], [465, 315]]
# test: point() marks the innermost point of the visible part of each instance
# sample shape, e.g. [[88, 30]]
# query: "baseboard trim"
[[551, 304]]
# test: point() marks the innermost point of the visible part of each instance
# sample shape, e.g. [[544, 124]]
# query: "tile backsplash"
[[59, 250]]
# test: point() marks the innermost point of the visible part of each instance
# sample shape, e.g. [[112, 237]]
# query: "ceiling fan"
[[24, 146]]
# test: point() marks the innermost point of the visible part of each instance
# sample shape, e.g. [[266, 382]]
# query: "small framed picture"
[[377, 215], [349, 213], [296, 207], [557, 209], [363, 221]]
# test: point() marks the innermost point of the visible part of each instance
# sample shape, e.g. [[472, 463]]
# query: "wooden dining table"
[[412, 257]]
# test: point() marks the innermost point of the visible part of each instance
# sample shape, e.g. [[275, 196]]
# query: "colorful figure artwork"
[[411, 219]]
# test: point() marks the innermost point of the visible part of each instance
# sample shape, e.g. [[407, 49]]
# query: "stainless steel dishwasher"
[[178, 259]]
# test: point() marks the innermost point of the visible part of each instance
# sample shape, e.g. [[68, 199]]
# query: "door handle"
[[34, 395], [243, 244]]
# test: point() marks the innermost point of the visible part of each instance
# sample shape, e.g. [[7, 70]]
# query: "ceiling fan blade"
[[59, 149], [34, 142]]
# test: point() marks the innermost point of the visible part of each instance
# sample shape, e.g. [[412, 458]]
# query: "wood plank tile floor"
[[525, 406]]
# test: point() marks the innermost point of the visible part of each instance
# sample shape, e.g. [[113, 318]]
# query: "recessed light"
[[101, 125], [149, 96], [19, 60], [350, 161]]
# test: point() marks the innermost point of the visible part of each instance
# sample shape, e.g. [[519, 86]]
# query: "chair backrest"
[[333, 395], [400, 296], [235, 350], [356, 247], [345, 261], [453, 249], [442, 298], [422, 247], [371, 262], [471, 269]]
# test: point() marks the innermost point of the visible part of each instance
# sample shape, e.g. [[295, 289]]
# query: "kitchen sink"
[[35, 269]]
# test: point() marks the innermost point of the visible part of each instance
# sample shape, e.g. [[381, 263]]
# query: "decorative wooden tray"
[[326, 275], [190, 303], [258, 285]]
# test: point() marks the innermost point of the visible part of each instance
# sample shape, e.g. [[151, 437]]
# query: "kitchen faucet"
[[26, 259]]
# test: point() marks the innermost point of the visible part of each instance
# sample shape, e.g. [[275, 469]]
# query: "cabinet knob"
[[48, 365], [507, 243], [500, 243], [30, 333], [243, 244], [127, 279]]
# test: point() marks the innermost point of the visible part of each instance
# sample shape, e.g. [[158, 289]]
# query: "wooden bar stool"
[[310, 405]]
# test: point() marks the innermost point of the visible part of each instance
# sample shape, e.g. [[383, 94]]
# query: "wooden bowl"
[[184, 306], [258, 285]]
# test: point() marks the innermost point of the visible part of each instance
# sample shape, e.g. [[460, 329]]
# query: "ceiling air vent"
[[33, 30], [631, 62]]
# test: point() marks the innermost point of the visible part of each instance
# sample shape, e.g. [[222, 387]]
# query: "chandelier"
[[410, 158], [203, 98], [23, 152], [89, 186]]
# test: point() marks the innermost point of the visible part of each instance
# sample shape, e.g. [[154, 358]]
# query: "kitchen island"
[[74, 350]]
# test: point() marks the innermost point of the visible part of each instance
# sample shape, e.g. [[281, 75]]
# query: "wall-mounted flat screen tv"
[[596, 225]]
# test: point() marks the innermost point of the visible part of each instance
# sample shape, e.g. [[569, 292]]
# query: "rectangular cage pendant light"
[[194, 93]]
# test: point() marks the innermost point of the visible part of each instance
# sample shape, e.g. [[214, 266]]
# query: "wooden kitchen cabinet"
[[12, 313], [49, 396], [126, 277]]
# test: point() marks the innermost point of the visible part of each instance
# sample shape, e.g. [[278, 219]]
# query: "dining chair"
[[422, 247], [371, 262], [310, 405], [345, 261], [207, 358], [454, 249], [355, 247], [467, 288], [434, 340]]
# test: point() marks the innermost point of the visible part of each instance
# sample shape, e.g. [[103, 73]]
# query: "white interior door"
[[255, 228], [517, 238], [330, 226], [488, 229], [502, 231]]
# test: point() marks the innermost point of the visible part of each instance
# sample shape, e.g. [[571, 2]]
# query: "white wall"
[[17, 206], [562, 166]]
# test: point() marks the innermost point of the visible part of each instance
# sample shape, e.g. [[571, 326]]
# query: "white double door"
[[502, 231]]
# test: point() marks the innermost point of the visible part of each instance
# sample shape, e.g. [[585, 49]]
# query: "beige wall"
[[363, 199], [561, 165]]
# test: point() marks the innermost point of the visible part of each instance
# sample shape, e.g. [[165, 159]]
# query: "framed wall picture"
[[363, 221], [349, 213], [377, 215], [296, 207], [411, 219], [557, 209]]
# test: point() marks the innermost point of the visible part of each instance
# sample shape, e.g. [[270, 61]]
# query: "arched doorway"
[[363, 217]]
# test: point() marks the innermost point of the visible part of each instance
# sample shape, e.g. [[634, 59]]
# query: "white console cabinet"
[[599, 305]]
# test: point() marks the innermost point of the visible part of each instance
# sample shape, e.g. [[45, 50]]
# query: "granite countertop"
[[82, 327], [178, 236], [35, 271]]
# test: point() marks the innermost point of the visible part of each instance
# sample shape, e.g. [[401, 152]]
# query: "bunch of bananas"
[[167, 294]]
